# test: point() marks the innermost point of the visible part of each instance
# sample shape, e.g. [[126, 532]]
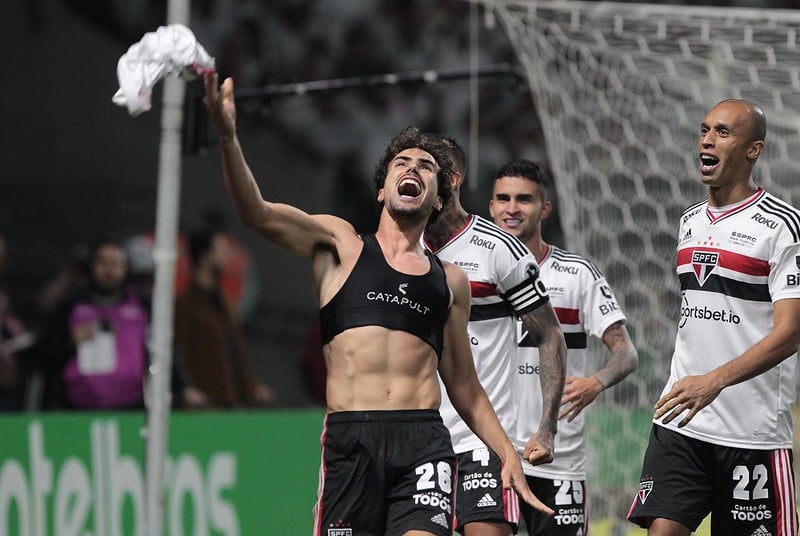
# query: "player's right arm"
[[288, 227], [543, 324], [458, 374], [693, 393]]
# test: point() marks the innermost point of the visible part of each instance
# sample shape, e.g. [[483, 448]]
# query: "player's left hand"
[[578, 393], [539, 449], [513, 477], [691, 394]]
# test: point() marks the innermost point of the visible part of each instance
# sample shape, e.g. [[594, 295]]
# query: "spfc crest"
[[645, 487], [703, 263]]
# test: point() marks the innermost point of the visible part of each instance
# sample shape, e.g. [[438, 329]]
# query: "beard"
[[402, 212]]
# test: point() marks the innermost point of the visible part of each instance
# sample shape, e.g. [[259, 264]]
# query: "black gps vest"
[[375, 294]]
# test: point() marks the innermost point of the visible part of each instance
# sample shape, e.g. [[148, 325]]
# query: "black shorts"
[[567, 498], [480, 495], [746, 491], [385, 473]]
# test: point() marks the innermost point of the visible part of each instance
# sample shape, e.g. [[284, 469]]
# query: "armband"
[[527, 296]]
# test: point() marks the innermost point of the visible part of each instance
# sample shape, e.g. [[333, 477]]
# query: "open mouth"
[[409, 187], [708, 163]]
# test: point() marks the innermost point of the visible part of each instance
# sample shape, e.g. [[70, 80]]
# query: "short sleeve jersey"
[[504, 281], [585, 305], [732, 268]]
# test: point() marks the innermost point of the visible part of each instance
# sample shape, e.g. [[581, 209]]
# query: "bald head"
[[757, 119]]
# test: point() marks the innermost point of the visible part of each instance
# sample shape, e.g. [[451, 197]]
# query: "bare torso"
[[373, 367]]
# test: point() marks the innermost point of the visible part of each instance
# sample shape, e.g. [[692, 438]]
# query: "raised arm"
[[466, 393], [284, 225], [543, 324], [693, 393], [579, 392]]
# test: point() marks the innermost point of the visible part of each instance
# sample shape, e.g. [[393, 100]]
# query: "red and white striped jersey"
[[733, 265], [504, 281], [585, 305]]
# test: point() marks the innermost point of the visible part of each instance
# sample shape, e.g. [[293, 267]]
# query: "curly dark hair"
[[412, 138]]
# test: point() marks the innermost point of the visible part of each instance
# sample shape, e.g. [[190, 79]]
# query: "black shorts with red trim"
[[567, 498], [385, 473], [479, 491], [747, 492]]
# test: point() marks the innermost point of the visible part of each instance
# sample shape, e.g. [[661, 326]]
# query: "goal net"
[[620, 90]]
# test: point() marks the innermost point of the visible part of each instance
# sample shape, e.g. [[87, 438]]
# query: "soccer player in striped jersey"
[[585, 304], [504, 283], [721, 442]]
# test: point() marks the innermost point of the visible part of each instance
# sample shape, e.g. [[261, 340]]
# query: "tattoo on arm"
[[624, 358], [543, 325]]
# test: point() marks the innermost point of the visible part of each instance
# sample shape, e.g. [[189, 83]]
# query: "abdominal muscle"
[[375, 368]]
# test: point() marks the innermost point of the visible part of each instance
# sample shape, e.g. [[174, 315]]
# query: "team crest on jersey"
[[703, 263], [645, 487], [340, 528]]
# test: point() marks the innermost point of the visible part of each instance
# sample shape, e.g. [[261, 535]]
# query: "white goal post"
[[621, 89]]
